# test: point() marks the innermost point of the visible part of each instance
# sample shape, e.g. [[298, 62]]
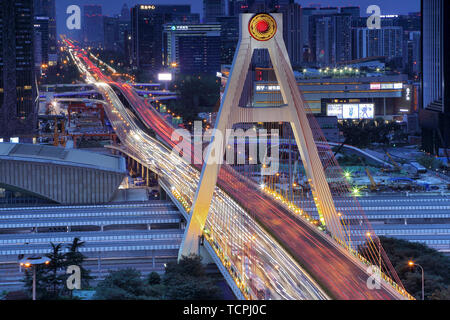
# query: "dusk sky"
[[111, 7]]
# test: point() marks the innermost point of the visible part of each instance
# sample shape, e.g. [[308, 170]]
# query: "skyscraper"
[[435, 115], [305, 29], [194, 48], [385, 42], [125, 13], [17, 82], [213, 9], [41, 39], [92, 25], [111, 33], [147, 30], [237, 6], [330, 37], [47, 8], [355, 12], [292, 32], [229, 37]]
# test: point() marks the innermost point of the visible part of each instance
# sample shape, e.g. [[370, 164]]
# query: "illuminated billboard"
[[164, 76], [351, 110], [334, 110], [386, 86], [366, 111]]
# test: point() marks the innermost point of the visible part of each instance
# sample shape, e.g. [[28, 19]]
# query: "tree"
[[53, 277], [153, 278], [75, 257], [187, 266], [364, 132], [185, 287], [187, 280], [182, 280], [123, 284], [196, 94], [50, 279]]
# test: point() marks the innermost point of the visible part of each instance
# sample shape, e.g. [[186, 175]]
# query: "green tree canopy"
[[363, 133], [123, 284], [183, 280], [196, 94]]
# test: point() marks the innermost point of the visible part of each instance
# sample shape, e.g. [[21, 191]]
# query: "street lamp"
[[413, 264], [32, 262]]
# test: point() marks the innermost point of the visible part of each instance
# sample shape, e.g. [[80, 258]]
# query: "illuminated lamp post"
[[32, 262], [413, 264]]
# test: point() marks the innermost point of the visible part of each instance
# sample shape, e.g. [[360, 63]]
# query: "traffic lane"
[[329, 266], [307, 247], [333, 270]]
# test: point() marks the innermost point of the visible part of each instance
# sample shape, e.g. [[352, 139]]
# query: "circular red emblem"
[[262, 27]]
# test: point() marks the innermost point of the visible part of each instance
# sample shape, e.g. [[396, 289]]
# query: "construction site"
[[73, 116]]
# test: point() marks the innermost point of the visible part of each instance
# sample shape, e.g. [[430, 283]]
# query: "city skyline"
[[273, 150], [111, 8]]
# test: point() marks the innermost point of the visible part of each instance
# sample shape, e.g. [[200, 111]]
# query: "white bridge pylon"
[[265, 35]]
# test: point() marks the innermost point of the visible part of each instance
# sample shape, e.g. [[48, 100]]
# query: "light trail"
[[343, 277]]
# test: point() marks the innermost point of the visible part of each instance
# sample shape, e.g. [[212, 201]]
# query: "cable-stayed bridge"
[[264, 245]]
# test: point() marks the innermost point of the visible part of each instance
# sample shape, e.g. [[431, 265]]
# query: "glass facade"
[[17, 86]]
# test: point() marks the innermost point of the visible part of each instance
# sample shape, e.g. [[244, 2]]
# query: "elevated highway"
[[291, 258]]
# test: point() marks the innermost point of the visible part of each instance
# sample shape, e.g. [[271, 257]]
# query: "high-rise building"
[[385, 42], [292, 32], [355, 12], [412, 53], [47, 8], [213, 9], [17, 81], [229, 37], [235, 7], [192, 48], [92, 25], [410, 22], [330, 37], [41, 40], [343, 37], [328, 10], [307, 55], [147, 31], [435, 115], [125, 13], [111, 33]]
